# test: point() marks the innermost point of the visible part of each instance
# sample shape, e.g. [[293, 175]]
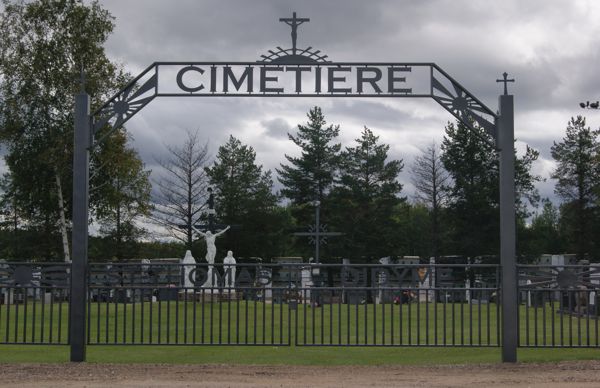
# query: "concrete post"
[[508, 229], [78, 294]]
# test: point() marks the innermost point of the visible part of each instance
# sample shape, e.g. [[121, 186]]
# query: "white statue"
[[190, 262], [211, 248], [211, 252], [229, 268]]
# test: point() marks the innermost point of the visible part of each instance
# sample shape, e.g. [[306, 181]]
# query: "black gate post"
[[78, 294], [505, 127]]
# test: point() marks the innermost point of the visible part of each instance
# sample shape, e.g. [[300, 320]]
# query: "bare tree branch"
[[182, 192]]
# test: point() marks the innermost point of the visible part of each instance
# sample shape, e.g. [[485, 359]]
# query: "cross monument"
[[318, 233]]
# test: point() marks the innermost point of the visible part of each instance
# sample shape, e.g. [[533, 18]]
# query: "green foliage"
[[472, 163], [122, 194], [310, 177], [362, 202], [245, 197], [413, 231], [546, 236], [578, 184], [45, 45], [32, 243], [101, 248]]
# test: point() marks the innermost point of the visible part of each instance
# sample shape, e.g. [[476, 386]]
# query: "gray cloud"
[[548, 46], [277, 127]]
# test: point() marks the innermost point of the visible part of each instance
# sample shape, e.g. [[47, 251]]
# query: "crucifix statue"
[[294, 22], [210, 229], [317, 233]]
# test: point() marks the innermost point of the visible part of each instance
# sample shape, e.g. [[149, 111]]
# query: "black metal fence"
[[300, 304], [400, 305], [175, 304], [34, 303], [309, 305], [559, 305]]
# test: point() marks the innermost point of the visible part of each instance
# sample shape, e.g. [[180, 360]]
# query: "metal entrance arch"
[[292, 72]]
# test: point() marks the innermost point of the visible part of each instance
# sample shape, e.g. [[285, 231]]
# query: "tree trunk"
[[63, 221]]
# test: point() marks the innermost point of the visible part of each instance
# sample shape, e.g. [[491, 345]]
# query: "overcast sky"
[[550, 47]]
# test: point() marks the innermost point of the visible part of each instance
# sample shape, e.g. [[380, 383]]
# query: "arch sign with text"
[[293, 72]]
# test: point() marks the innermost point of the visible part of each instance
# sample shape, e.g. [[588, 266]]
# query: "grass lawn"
[[286, 355], [275, 326]]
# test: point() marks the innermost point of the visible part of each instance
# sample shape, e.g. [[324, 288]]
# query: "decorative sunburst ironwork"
[[125, 104], [286, 56], [460, 103], [559, 277]]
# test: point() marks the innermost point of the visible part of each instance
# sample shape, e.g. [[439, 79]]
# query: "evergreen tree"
[[413, 230], [245, 196], [472, 164], [310, 177], [545, 231], [365, 197], [471, 161], [11, 220], [578, 184]]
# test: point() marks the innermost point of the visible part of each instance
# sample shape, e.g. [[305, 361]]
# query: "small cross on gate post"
[[505, 80]]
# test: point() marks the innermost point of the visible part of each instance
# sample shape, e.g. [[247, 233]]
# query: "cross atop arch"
[[294, 22]]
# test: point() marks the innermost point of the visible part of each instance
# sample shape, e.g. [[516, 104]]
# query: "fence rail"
[[34, 303], [559, 305], [309, 305]]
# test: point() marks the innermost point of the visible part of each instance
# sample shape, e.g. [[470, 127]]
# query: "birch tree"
[[44, 47]]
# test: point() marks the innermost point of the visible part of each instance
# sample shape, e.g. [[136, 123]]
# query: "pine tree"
[[472, 164], [310, 177], [365, 197], [545, 230], [471, 161], [578, 184], [244, 196]]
